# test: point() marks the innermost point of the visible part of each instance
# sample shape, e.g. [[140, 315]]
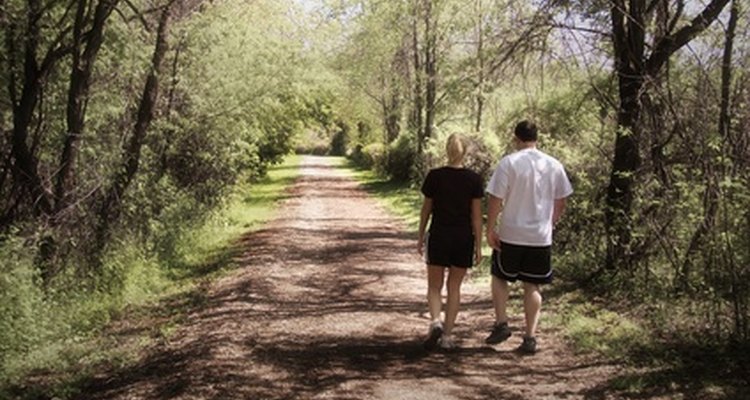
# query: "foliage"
[[22, 308], [243, 83], [602, 331], [184, 102], [368, 156], [57, 330], [339, 142], [399, 160]]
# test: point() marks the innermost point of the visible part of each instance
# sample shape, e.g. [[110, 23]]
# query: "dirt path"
[[329, 304]]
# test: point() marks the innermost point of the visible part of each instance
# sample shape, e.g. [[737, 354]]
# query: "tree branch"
[[581, 29], [671, 43], [677, 15]]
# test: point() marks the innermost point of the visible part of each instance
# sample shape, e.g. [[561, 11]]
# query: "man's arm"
[[494, 206], [558, 211]]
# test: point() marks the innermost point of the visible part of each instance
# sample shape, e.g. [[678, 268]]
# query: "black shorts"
[[525, 263], [450, 247]]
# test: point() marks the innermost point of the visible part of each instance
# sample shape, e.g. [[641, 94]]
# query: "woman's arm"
[[424, 216], [476, 225]]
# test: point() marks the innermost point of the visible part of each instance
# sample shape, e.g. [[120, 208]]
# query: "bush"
[[201, 163], [481, 155], [482, 152], [339, 142], [21, 303], [368, 157], [399, 162]]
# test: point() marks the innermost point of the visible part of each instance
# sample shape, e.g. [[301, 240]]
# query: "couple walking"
[[527, 191]]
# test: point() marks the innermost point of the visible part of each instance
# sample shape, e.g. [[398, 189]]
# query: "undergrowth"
[[52, 339]]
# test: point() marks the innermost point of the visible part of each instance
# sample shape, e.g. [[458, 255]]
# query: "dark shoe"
[[500, 332], [528, 346], [436, 331]]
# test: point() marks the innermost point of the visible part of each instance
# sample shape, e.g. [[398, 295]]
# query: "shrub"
[[339, 142], [482, 152], [368, 157], [481, 155], [21, 302], [399, 162]]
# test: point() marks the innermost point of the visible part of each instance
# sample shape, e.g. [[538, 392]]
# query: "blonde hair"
[[455, 148]]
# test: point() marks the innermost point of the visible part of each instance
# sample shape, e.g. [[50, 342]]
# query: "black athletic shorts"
[[450, 247], [525, 263]]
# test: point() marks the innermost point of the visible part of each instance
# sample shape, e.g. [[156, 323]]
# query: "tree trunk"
[[111, 206], [392, 116], [479, 88], [629, 42], [391, 99], [714, 173], [25, 162], [80, 82], [418, 108], [430, 71]]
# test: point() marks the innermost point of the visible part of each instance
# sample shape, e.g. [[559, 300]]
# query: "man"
[[530, 188]]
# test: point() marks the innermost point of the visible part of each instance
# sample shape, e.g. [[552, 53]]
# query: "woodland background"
[[126, 124]]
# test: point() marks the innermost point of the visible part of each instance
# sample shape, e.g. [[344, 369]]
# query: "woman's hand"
[[477, 255]]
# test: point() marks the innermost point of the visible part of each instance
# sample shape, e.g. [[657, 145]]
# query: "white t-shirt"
[[528, 181]]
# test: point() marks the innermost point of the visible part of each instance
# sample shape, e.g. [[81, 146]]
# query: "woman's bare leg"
[[455, 278], [435, 276]]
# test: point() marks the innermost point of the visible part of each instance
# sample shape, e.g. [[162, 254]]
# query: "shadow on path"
[[329, 303]]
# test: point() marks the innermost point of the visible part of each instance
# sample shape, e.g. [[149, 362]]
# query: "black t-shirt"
[[452, 190]]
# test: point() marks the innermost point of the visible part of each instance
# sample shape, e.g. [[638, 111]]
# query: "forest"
[[127, 124]]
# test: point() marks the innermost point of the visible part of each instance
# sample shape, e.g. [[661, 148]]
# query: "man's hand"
[[493, 240], [494, 207]]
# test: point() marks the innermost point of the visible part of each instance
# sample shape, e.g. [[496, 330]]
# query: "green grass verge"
[[591, 328], [250, 205], [402, 199], [95, 331]]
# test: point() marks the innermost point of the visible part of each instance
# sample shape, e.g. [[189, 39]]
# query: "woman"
[[452, 197]]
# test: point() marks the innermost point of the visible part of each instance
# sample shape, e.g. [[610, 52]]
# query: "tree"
[[109, 210], [636, 70], [84, 48]]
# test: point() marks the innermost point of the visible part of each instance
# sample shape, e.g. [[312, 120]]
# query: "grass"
[[108, 332], [592, 328], [249, 207], [402, 199]]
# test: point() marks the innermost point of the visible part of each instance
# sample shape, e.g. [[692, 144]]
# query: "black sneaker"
[[436, 331], [528, 346], [500, 332]]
